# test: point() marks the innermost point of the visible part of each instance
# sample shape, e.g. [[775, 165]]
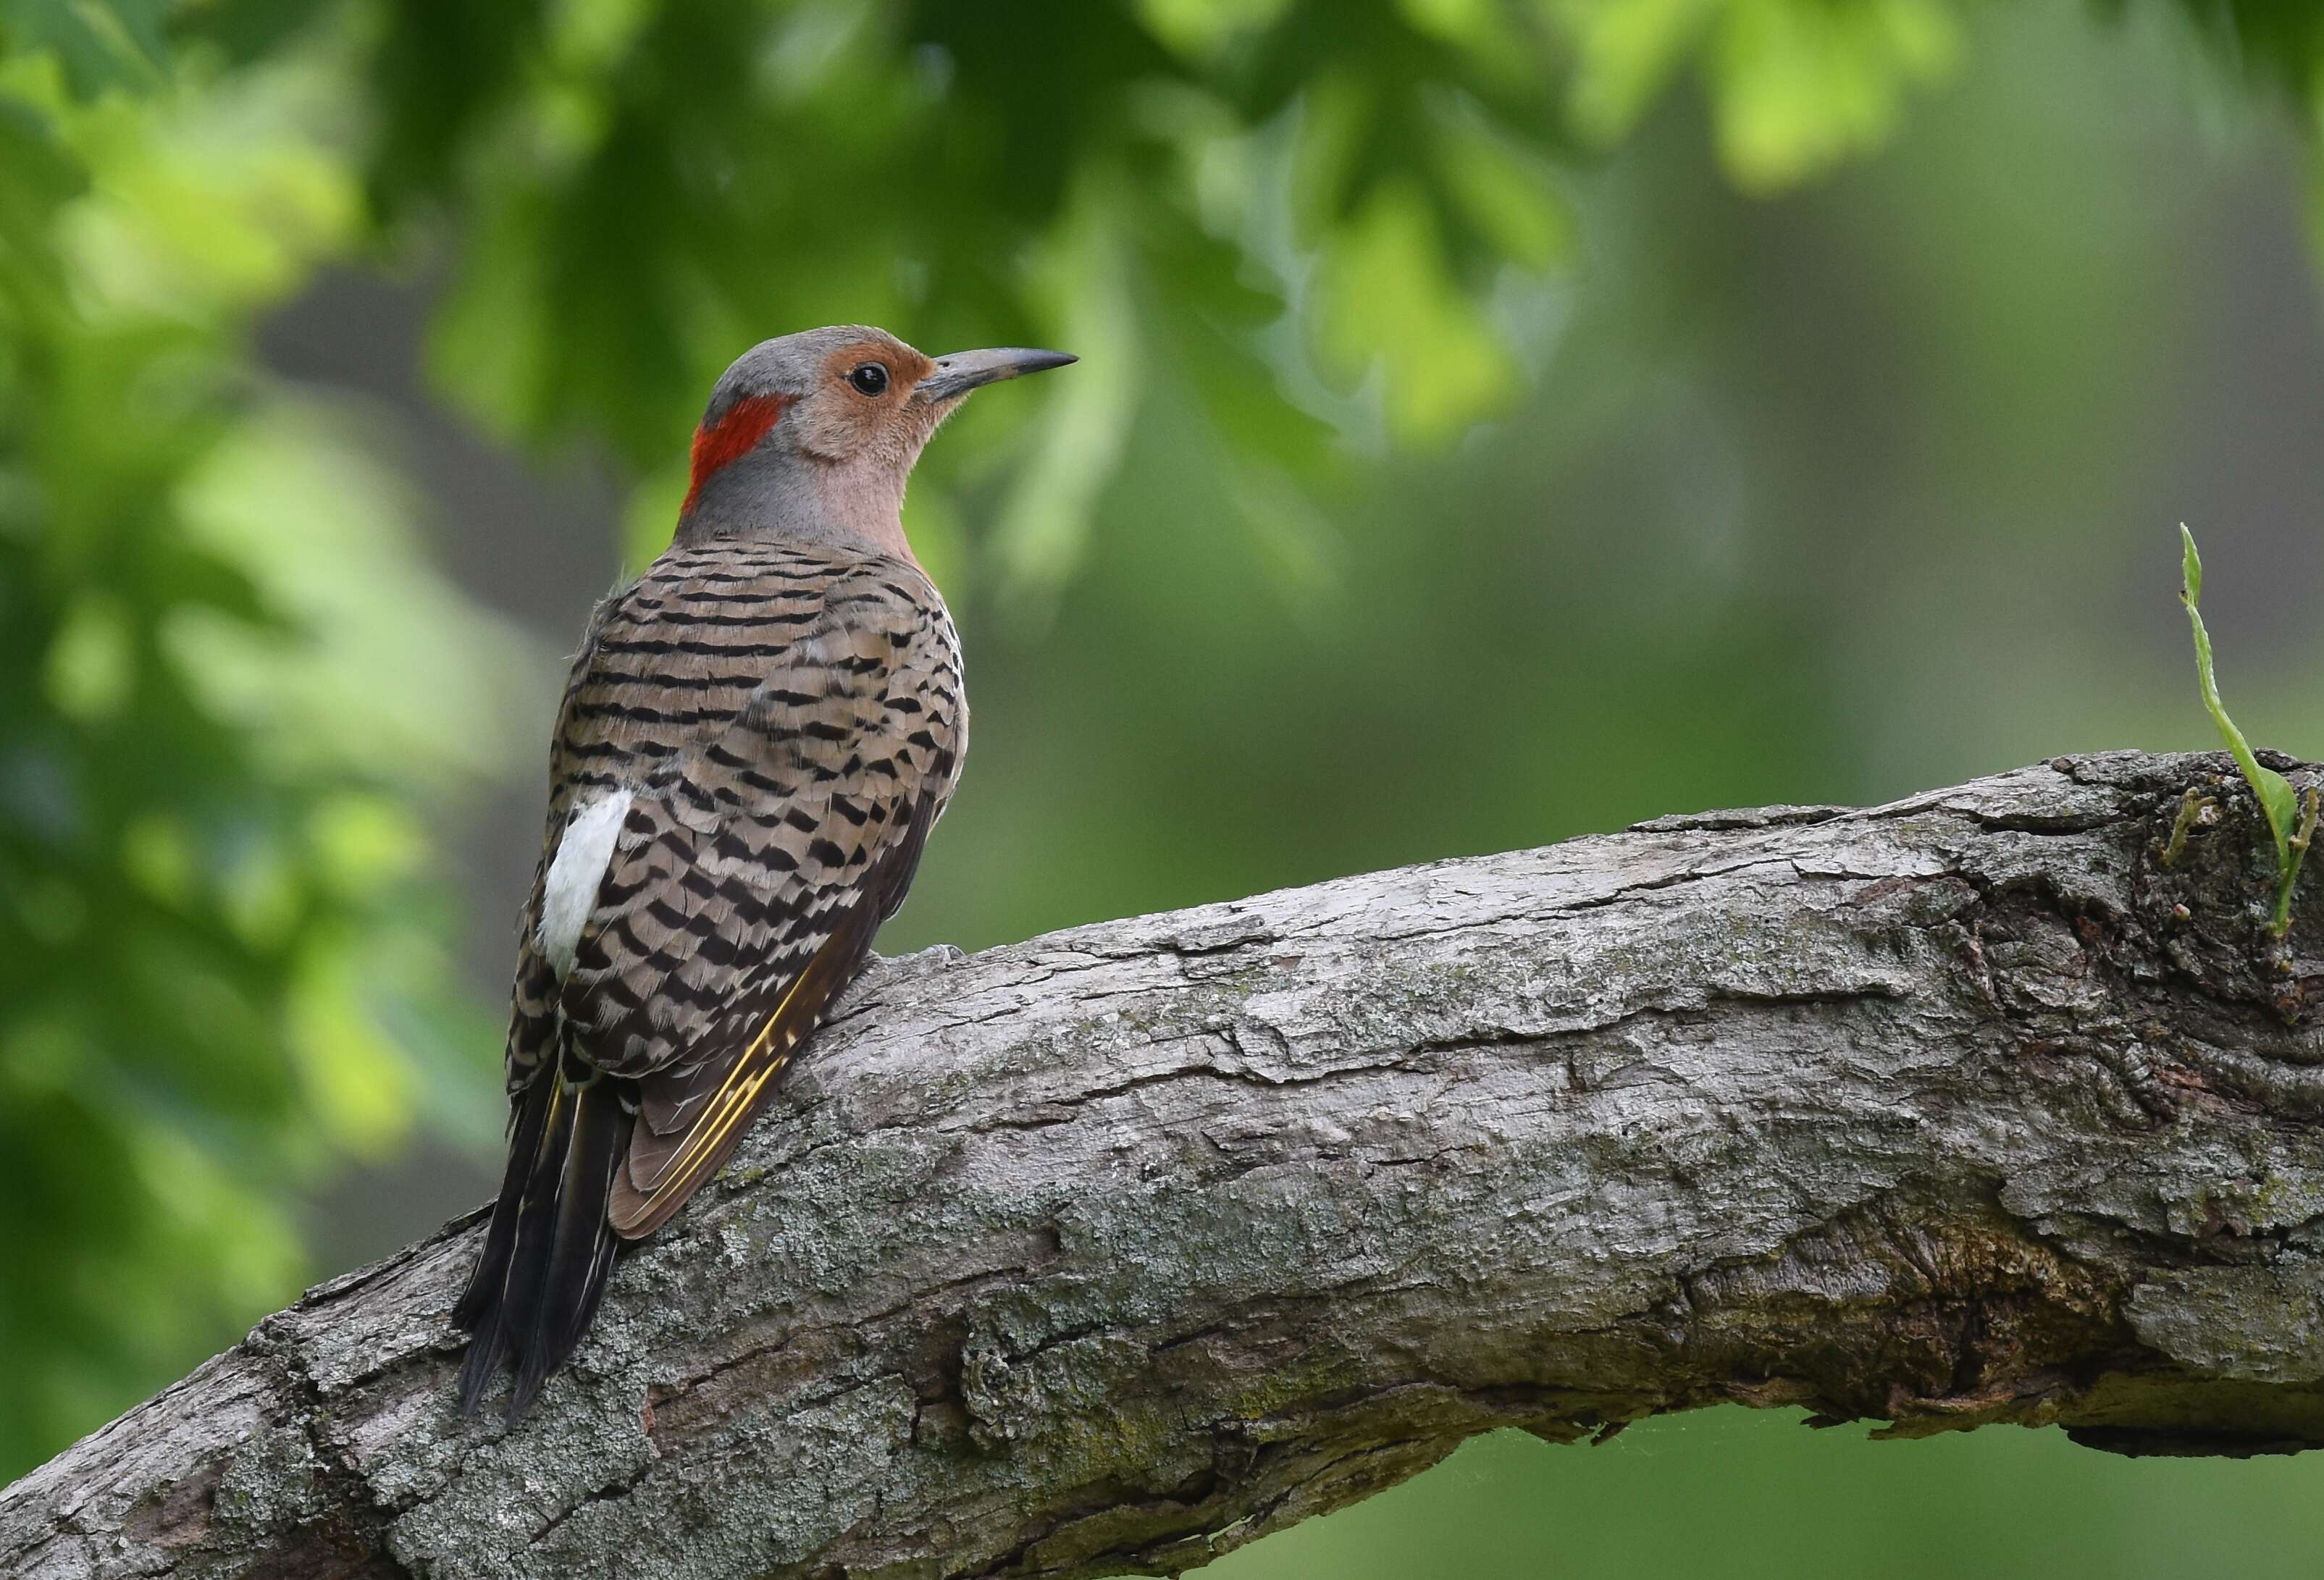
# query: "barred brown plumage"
[[757, 736]]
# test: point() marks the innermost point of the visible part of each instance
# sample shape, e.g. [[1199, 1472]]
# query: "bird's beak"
[[963, 370]]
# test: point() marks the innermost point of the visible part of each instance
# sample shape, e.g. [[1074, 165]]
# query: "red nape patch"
[[733, 437]]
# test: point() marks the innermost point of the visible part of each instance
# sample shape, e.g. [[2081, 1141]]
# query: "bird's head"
[[813, 436]]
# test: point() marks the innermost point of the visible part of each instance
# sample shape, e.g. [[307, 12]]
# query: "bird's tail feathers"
[[542, 1271]]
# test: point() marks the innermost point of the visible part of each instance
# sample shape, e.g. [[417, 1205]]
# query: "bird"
[[755, 739]]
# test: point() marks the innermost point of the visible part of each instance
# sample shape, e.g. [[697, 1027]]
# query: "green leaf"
[[1800, 86], [37, 177], [99, 45], [2277, 799], [1387, 298]]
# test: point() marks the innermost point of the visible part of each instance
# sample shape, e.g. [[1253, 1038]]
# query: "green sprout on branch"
[[2291, 814]]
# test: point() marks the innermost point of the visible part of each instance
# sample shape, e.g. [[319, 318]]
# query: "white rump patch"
[[570, 891]]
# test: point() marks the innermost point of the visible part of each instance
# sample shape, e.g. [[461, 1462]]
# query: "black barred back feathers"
[[786, 723]]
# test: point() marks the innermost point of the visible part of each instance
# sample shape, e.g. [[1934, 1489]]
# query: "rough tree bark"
[[1114, 1249]]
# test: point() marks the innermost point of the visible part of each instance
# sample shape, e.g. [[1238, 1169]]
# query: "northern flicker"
[[755, 740]]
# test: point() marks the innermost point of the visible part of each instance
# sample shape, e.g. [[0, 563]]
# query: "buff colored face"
[[862, 404]]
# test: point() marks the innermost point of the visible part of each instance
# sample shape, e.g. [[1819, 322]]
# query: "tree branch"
[[1115, 1249]]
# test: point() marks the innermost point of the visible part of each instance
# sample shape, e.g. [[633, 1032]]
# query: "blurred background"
[[1499, 420]]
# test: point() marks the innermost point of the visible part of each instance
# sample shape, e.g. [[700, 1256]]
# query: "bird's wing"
[[752, 868]]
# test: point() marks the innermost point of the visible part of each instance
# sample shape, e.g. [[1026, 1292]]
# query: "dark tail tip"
[[542, 1270], [481, 1368]]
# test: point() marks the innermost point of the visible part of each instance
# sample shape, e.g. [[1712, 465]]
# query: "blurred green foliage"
[[1452, 466], [1754, 1495], [222, 717]]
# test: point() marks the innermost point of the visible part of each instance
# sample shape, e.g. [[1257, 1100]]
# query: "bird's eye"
[[871, 379]]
